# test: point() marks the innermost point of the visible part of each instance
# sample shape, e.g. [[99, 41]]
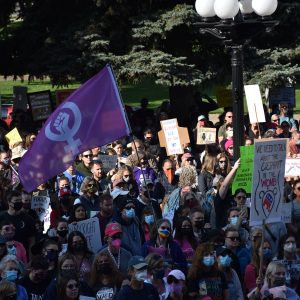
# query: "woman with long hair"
[[204, 277], [77, 245], [162, 243], [222, 167], [105, 279], [185, 238], [206, 176], [78, 213], [68, 288]]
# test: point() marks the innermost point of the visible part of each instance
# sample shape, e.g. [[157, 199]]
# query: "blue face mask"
[[12, 250], [225, 261], [10, 275], [208, 261], [234, 220], [130, 213], [267, 254], [149, 219]]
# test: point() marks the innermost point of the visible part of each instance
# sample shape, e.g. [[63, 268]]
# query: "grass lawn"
[[131, 93]]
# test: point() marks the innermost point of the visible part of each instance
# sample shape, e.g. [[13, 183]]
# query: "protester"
[[78, 213]]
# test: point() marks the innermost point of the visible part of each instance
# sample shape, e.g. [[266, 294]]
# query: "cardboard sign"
[[286, 212], [267, 181], [109, 161], [20, 98], [254, 103], [224, 97], [40, 105], [40, 205], [282, 95], [13, 137], [292, 167], [173, 137], [62, 95], [206, 135], [243, 176], [91, 230]]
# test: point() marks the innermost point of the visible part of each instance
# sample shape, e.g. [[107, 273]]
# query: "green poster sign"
[[243, 176]]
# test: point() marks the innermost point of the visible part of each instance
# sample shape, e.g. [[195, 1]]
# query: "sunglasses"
[[233, 238], [129, 207], [73, 286], [88, 155], [126, 176], [222, 161]]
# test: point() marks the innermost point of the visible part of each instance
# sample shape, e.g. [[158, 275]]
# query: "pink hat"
[[117, 182], [113, 228], [228, 144]]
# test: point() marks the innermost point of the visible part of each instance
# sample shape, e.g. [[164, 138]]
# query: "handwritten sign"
[[243, 177], [224, 97], [254, 103], [109, 161], [267, 181], [170, 129], [13, 137], [91, 230], [206, 135], [292, 167], [40, 204], [282, 95], [40, 105]]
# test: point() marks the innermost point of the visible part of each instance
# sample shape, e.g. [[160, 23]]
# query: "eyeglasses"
[[126, 176], [88, 155], [72, 286], [233, 238]]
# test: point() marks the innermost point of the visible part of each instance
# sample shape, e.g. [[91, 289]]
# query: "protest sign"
[[243, 177], [109, 161], [286, 212], [62, 95], [267, 181], [47, 222], [224, 97], [13, 137], [206, 135], [254, 103], [91, 230], [20, 98], [173, 137], [40, 204], [40, 104], [292, 167], [282, 95]]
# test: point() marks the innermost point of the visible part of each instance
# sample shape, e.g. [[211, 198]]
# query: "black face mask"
[[17, 206], [186, 231], [78, 247], [104, 268], [199, 224], [62, 233], [52, 255], [279, 281], [68, 273]]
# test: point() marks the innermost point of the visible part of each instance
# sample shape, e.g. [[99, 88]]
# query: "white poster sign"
[[47, 222], [267, 181], [40, 204], [91, 230], [292, 167], [206, 135], [254, 103], [170, 129], [109, 161]]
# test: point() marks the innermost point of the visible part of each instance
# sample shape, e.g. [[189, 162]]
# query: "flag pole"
[[132, 136]]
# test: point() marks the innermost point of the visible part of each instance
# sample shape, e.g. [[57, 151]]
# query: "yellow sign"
[[13, 137], [224, 97]]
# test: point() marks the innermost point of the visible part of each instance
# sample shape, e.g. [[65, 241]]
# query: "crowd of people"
[[171, 226]]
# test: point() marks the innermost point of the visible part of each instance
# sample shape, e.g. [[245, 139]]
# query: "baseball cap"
[[201, 117], [138, 262], [117, 192], [112, 228], [177, 274]]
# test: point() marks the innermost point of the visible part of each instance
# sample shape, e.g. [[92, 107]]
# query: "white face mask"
[[141, 275], [126, 179], [289, 247]]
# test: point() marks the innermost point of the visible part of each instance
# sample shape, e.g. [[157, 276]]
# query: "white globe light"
[[205, 8], [246, 6], [226, 9], [265, 7]]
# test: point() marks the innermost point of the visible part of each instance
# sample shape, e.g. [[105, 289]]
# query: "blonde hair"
[[209, 163], [187, 177], [271, 270], [7, 288]]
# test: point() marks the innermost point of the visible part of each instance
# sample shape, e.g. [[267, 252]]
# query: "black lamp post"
[[235, 25]]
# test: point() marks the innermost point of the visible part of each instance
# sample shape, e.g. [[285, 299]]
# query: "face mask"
[[234, 220], [10, 275], [62, 233], [186, 231], [26, 205], [149, 219], [116, 243], [17, 206], [78, 247], [267, 254], [104, 268], [130, 213], [175, 288], [199, 224], [159, 274], [164, 233], [12, 250], [208, 261], [6, 161], [225, 261], [289, 247], [92, 190], [141, 275], [279, 281], [126, 179], [170, 175], [68, 272], [52, 255]]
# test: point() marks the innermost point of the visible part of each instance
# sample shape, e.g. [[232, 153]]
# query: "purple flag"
[[91, 116]]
